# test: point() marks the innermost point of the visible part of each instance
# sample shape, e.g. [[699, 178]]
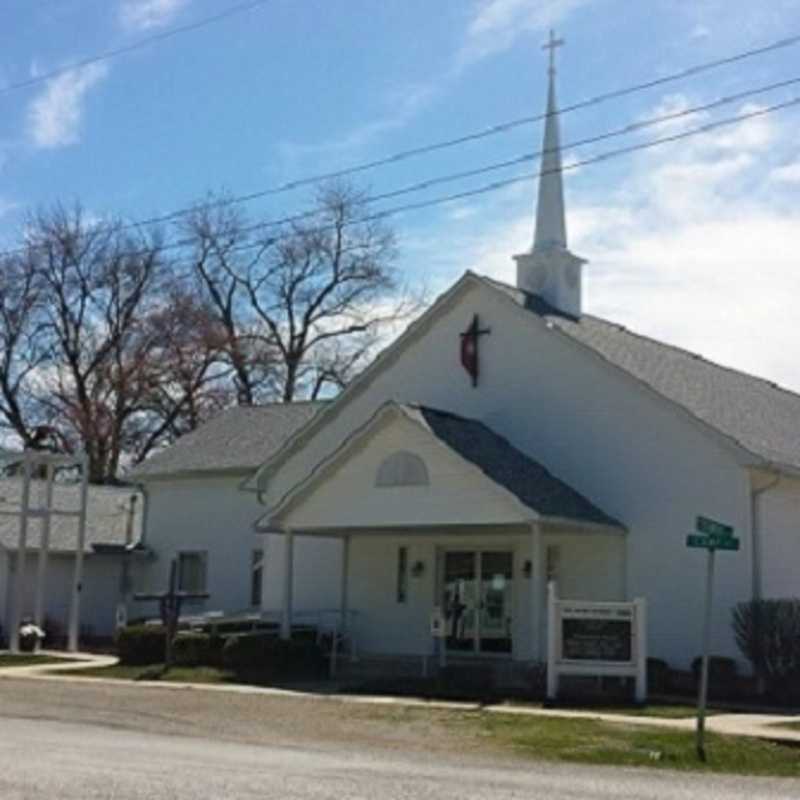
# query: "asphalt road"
[[63, 741]]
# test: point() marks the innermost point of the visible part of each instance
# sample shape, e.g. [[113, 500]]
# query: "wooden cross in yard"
[[169, 607]]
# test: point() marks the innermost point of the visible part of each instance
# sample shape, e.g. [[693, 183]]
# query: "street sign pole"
[[703, 694], [709, 535]]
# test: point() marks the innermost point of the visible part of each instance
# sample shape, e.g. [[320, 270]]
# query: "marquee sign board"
[[595, 639]]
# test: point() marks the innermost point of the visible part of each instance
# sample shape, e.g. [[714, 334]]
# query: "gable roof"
[[237, 440], [106, 515], [530, 482], [521, 476], [756, 414]]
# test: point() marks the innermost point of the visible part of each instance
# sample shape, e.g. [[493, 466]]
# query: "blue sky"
[[694, 242]]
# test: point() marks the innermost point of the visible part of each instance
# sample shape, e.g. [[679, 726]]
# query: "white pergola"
[[32, 461]]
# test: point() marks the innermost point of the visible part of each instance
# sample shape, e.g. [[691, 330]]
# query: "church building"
[[504, 440]]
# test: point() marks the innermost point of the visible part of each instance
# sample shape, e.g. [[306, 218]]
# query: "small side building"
[[113, 531], [196, 512]]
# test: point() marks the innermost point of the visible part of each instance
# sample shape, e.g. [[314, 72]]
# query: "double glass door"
[[476, 599]]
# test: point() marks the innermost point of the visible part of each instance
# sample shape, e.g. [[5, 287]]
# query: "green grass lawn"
[[550, 738], [26, 659], [792, 726], [591, 742]]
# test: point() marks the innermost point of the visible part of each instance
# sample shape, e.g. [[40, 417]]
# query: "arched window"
[[402, 469]]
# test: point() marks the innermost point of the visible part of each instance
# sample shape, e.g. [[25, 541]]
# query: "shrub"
[[657, 675], [722, 671], [192, 649], [263, 657], [139, 645], [768, 634]]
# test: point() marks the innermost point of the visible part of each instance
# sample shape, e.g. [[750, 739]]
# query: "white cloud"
[[142, 15], [700, 32], [788, 173], [403, 104], [496, 25], [696, 246], [54, 116]]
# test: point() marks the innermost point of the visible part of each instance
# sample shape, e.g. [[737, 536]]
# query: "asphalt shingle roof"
[[759, 415], [106, 517], [508, 467], [239, 439]]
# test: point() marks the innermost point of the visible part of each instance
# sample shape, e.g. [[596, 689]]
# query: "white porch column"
[[343, 597], [265, 541], [22, 556], [77, 579], [536, 588], [44, 548], [288, 578]]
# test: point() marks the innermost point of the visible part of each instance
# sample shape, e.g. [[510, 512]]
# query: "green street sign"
[[712, 542], [713, 528]]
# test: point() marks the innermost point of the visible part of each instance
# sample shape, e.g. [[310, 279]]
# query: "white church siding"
[[640, 458], [457, 494], [5, 593], [212, 515], [780, 539], [382, 625], [100, 591]]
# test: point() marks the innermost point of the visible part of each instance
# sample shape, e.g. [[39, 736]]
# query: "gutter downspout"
[[755, 533]]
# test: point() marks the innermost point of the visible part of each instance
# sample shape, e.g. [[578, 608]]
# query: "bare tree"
[[190, 377], [23, 349], [107, 346], [96, 283], [302, 305]]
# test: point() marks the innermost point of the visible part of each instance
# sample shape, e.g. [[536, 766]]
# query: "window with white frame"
[[193, 571], [402, 469]]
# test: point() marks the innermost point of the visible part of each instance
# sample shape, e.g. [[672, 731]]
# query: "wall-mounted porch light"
[[417, 569]]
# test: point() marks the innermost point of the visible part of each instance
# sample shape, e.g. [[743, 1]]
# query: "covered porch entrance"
[[436, 512]]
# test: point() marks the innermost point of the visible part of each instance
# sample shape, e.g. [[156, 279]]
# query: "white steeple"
[[549, 269]]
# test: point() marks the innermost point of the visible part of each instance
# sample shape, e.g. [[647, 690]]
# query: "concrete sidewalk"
[[760, 726]]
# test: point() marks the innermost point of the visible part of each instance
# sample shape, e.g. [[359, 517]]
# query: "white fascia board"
[[392, 351], [388, 410]]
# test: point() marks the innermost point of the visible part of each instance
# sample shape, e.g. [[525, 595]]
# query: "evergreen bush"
[[265, 657], [139, 645]]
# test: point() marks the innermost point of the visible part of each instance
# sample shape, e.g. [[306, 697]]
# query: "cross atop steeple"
[[549, 269], [551, 45]]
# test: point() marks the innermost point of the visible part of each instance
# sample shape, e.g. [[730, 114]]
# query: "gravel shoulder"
[[243, 718]]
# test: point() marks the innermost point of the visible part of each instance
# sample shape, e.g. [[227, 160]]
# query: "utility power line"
[[524, 178], [527, 157], [494, 130], [482, 170], [607, 156], [130, 48]]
